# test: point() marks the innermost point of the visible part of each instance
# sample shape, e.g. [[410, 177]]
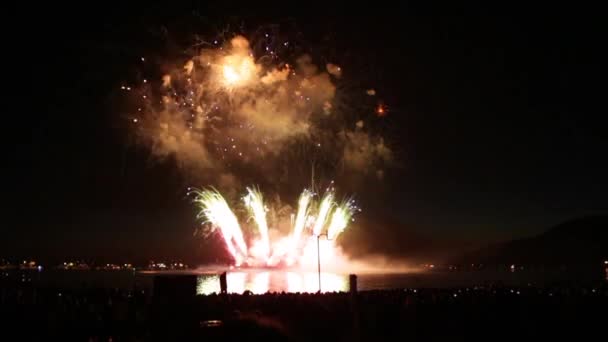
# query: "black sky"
[[498, 122]]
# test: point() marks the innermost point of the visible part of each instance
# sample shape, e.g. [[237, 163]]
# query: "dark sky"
[[498, 122]]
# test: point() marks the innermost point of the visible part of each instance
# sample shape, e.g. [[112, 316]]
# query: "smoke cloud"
[[229, 116]]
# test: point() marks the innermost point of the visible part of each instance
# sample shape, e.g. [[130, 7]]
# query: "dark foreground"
[[460, 314]]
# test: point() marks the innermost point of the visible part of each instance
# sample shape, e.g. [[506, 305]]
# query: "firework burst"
[[241, 112]]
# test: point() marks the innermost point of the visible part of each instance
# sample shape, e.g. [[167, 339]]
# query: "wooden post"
[[352, 278], [354, 306], [223, 283]]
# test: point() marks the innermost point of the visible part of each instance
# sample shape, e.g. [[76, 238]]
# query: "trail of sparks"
[[216, 211], [300, 222], [324, 210], [340, 219], [255, 204]]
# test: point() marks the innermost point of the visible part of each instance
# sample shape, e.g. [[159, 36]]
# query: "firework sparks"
[[381, 110], [255, 204], [340, 219], [216, 211], [286, 250], [301, 216], [324, 209]]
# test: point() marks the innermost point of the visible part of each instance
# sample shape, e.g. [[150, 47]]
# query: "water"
[[262, 281], [284, 281]]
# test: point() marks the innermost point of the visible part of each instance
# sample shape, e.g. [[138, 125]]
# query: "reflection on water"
[[207, 284], [259, 282]]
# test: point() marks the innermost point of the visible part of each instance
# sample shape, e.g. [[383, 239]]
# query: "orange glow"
[[237, 70], [381, 110]]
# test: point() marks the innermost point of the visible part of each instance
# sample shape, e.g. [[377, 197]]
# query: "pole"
[[354, 308], [319, 261], [223, 283]]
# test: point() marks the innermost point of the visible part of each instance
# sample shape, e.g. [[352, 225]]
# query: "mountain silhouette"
[[581, 241]]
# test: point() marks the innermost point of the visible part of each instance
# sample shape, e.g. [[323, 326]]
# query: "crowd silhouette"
[[468, 313]]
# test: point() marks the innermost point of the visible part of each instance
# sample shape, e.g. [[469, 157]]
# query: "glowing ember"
[[381, 110], [327, 218]]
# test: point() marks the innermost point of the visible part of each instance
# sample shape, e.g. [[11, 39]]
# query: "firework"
[[217, 212], [324, 210], [238, 108], [300, 221], [240, 111], [340, 219], [255, 204], [294, 248]]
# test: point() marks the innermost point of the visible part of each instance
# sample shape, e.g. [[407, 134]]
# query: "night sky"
[[497, 121]]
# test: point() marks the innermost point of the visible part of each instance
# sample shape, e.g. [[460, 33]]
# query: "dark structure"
[[174, 288]]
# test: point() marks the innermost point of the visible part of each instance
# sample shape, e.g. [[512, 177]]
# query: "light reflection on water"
[[259, 282]]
